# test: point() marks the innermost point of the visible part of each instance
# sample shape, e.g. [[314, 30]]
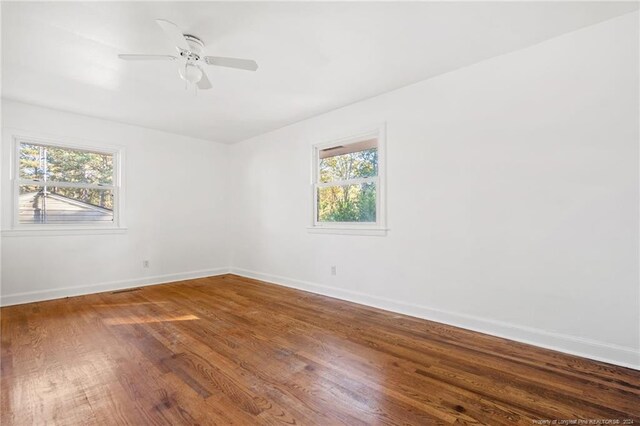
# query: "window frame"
[[115, 226], [351, 228]]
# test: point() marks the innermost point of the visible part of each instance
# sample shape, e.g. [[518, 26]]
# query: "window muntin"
[[346, 187], [57, 185]]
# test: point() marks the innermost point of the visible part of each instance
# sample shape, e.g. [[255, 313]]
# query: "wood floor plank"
[[231, 350]]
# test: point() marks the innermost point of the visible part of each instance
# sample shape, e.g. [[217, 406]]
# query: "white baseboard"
[[599, 351], [41, 295]]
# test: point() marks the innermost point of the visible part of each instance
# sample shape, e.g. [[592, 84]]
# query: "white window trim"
[[377, 228], [115, 227]]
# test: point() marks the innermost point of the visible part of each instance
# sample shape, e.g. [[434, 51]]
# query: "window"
[[348, 184], [63, 186]]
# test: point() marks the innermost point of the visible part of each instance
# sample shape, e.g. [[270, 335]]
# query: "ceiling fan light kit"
[[190, 49], [190, 73]]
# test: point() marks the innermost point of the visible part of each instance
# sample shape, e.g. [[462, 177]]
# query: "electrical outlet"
[[145, 263], [333, 270]]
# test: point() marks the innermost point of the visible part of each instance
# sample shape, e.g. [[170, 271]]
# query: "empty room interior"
[[320, 213]]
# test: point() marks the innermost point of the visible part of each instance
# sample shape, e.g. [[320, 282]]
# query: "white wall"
[[175, 211], [512, 198]]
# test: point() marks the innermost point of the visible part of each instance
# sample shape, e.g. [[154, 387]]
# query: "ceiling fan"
[[190, 50]]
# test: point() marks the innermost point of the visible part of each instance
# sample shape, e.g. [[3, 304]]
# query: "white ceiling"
[[313, 57]]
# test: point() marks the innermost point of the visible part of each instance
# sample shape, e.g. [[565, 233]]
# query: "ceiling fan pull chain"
[[186, 82]]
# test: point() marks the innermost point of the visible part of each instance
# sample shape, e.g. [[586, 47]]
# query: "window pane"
[[348, 203], [65, 165], [353, 165], [64, 205], [31, 162]]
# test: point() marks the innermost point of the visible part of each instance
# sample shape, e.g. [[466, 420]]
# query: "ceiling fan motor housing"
[[195, 48]]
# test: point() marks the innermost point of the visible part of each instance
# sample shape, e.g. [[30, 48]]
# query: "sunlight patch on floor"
[[147, 320]]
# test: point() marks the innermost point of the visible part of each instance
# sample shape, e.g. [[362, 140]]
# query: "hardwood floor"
[[229, 350]]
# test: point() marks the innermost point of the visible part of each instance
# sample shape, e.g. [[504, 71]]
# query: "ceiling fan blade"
[[204, 82], [243, 64], [174, 33], [134, 57]]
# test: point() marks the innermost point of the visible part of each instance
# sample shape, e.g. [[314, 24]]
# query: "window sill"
[[45, 232], [347, 230]]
